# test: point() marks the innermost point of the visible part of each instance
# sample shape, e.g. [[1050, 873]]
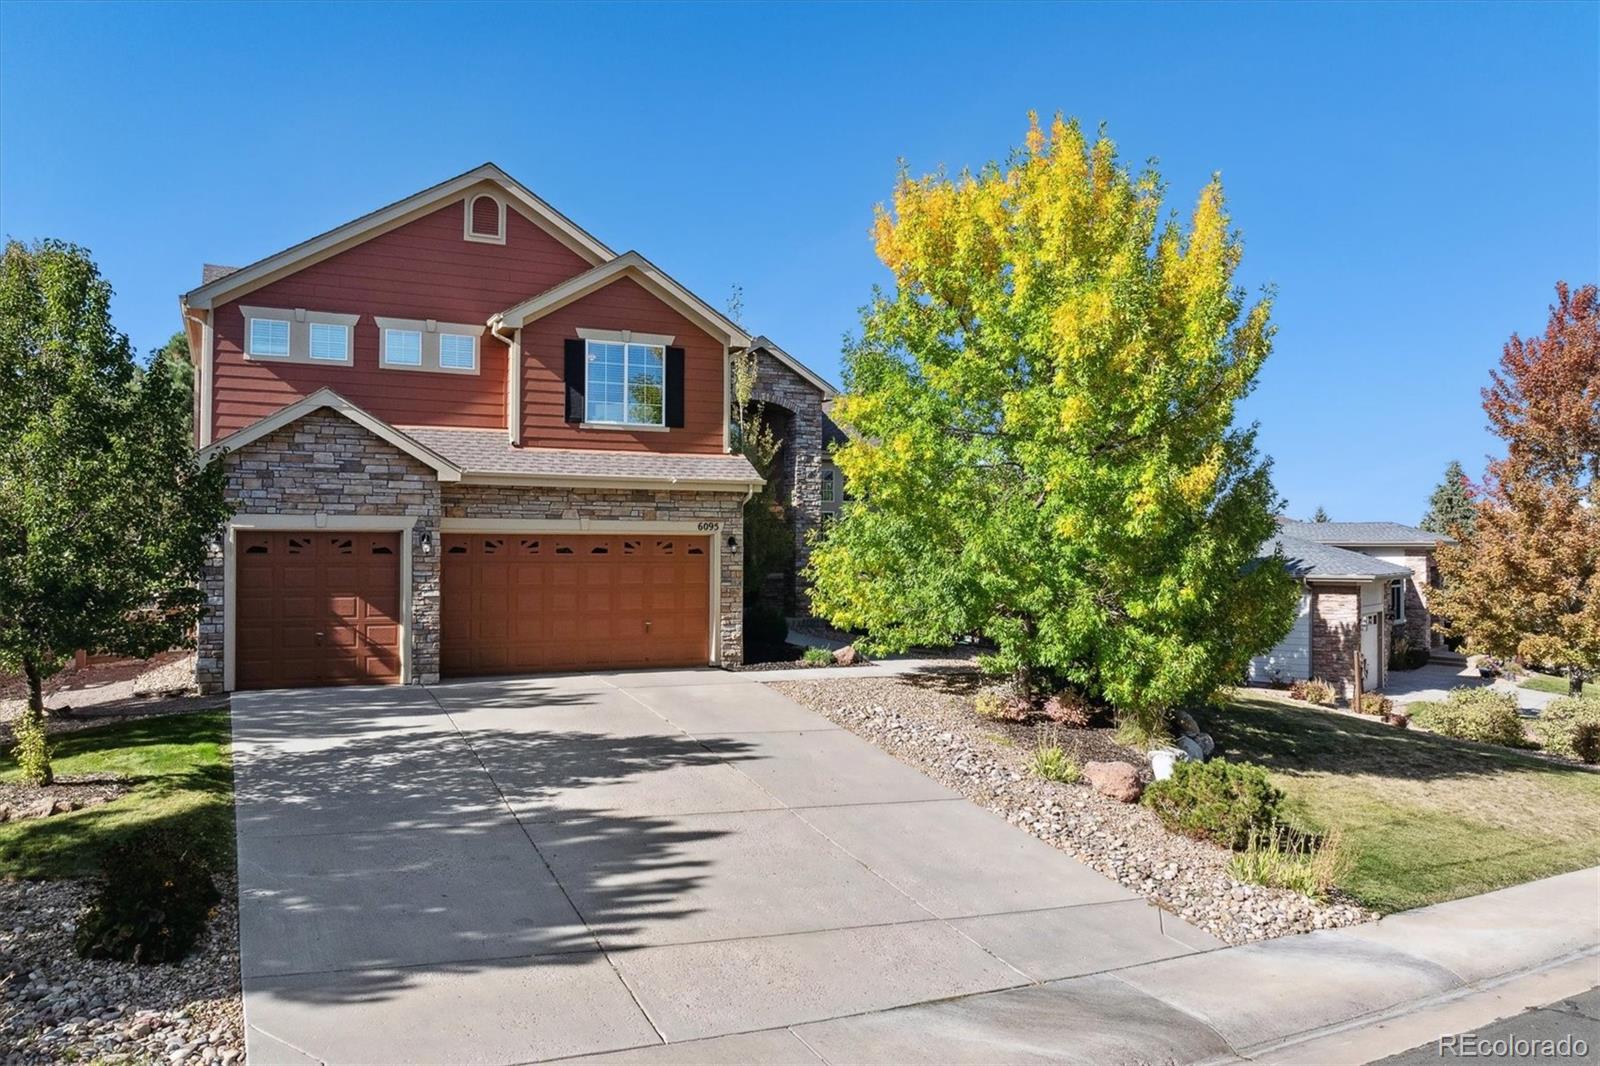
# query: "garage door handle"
[[319, 640], [647, 626]]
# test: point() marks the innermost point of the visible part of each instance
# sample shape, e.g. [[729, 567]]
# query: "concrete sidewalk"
[[1350, 995]]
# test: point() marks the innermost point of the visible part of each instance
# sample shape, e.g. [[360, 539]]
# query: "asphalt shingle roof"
[[487, 451], [1363, 533], [1307, 558]]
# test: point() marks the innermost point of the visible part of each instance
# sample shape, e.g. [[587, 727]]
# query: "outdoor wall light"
[[733, 543], [427, 542]]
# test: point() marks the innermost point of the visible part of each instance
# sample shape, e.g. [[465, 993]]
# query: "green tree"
[[173, 359], [1451, 510], [1321, 515], [768, 538], [1044, 451], [105, 517]]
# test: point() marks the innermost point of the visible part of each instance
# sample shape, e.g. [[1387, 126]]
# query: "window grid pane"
[[457, 351], [329, 342], [403, 346], [269, 336]]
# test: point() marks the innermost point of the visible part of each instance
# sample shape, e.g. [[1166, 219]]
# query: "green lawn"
[[1426, 818], [1545, 683], [182, 776]]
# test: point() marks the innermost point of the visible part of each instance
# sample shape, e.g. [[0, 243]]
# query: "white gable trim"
[[446, 470], [304, 254], [641, 270]]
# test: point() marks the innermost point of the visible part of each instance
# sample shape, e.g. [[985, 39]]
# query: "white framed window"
[[458, 351], [402, 347], [830, 488], [625, 383], [268, 337], [330, 342], [1397, 600]]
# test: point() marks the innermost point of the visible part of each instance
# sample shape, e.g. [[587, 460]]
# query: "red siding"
[[623, 304], [423, 269]]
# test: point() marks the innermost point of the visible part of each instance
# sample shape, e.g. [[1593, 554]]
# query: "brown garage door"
[[520, 603], [317, 608]]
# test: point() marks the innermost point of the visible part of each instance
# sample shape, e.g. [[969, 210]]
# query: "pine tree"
[[1451, 510]]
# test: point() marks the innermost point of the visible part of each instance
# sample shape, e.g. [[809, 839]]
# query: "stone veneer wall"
[[641, 505], [326, 463], [1335, 630], [801, 476], [1419, 620]]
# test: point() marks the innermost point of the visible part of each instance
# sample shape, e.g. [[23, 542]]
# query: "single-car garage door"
[[317, 608], [521, 603]]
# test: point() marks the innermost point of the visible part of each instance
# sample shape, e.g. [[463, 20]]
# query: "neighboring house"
[[833, 494], [1361, 583], [462, 436]]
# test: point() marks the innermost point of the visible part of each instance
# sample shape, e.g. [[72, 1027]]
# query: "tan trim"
[[391, 217], [402, 524], [625, 336], [589, 482], [514, 389], [208, 378], [652, 278], [466, 220], [430, 330], [300, 322], [711, 530], [446, 470]]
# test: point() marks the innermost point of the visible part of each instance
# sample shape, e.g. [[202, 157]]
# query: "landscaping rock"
[[56, 1007], [847, 655], [1114, 780], [928, 722]]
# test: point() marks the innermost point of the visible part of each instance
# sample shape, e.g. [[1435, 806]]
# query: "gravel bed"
[[69, 792], [56, 1007], [926, 719], [111, 692]]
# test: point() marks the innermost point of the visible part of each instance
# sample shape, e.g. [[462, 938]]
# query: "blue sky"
[[1414, 179]]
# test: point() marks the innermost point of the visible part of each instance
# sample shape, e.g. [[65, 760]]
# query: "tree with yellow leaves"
[[1044, 450]]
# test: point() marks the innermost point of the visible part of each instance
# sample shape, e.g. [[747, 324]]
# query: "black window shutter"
[[675, 387], [575, 379]]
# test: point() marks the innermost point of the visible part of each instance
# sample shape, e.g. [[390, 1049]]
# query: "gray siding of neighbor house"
[[1290, 659], [799, 476]]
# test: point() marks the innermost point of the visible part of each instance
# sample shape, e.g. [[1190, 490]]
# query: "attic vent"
[[486, 219]]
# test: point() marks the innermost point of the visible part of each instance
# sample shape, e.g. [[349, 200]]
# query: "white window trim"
[[250, 337], [431, 330], [605, 424], [626, 336], [466, 219], [311, 348], [829, 493], [300, 322], [391, 333], [471, 339]]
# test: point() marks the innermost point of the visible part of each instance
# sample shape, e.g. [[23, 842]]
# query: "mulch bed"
[[926, 719]]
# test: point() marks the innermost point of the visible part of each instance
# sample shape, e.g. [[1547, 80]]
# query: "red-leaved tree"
[[1527, 582]]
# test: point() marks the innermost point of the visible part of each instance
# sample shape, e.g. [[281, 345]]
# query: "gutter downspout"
[[203, 372], [513, 345]]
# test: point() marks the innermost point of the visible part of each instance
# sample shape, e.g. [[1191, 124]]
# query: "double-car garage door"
[[322, 608]]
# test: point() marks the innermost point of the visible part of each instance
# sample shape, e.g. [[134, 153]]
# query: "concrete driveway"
[[518, 870]]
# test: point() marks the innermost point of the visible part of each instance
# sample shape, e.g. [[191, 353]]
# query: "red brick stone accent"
[[1335, 635]]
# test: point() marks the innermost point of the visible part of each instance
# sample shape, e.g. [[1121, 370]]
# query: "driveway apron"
[[535, 868]]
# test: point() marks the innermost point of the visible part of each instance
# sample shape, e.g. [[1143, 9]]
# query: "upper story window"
[[457, 351], [1397, 600], [269, 337], [330, 341], [296, 335], [625, 383], [427, 345], [402, 347], [830, 487], [485, 220]]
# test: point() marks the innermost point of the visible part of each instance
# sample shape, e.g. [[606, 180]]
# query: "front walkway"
[[1434, 682]]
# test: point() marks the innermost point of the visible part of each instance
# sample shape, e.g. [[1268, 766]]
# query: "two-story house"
[[463, 436]]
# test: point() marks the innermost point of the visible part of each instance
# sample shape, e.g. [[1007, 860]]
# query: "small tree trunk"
[[33, 749], [1574, 682]]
